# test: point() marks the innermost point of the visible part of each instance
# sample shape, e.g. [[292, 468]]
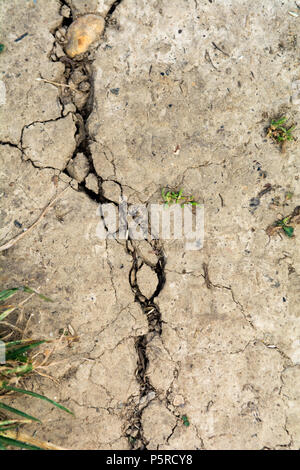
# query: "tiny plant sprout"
[[185, 420], [288, 195], [177, 197], [283, 223], [280, 133]]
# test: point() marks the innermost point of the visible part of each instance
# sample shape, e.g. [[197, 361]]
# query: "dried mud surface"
[[174, 94]]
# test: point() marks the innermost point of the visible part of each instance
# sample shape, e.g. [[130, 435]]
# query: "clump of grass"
[[19, 362], [177, 197], [280, 133]]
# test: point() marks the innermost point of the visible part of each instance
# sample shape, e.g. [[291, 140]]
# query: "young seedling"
[[286, 224], [173, 197], [288, 229], [280, 133], [185, 420]]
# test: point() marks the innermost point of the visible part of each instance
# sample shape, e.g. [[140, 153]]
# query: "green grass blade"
[[15, 443], [279, 122], [9, 344], [289, 231], [5, 294], [18, 412], [15, 422], [36, 395], [6, 313], [283, 129], [14, 354], [19, 370], [31, 291]]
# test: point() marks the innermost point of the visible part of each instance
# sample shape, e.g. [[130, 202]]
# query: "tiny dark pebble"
[[115, 91], [254, 202], [284, 299], [17, 224]]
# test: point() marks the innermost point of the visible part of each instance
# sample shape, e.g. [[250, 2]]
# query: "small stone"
[[115, 91], [80, 100], [60, 34], [77, 77], [178, 400], [79, 167], [58, 50], [82, 33], [65, 11], [151, 396], [91, 182], [84, 86], [143, 400], [69, 108], [111, 190]]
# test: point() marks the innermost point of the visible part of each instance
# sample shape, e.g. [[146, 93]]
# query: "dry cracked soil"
[[174, 94]]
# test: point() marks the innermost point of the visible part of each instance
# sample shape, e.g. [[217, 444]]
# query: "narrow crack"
[[112, 9], [133, 430]]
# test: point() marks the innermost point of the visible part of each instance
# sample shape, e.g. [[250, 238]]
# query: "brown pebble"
[[82, 33]]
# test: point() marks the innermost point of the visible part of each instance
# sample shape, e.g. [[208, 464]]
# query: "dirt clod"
[[79, 167]]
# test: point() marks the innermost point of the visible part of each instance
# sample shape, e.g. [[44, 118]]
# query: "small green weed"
[[185, 420], [280, 133], [173, 197], [283, 223], [286, 224]]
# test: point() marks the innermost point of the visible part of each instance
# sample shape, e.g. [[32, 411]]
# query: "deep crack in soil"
[[133, 430]]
